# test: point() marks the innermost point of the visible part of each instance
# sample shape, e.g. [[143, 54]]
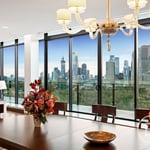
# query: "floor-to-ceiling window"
[[143, 100], [83, 58], [118, 71], [20, 73], [84, 73], [41, 61], [13, 68], [9, 72], [58, 68]]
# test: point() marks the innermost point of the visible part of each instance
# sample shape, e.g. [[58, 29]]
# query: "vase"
[[37, 122]]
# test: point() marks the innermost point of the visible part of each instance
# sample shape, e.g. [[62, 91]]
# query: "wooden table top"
[[66, 133]]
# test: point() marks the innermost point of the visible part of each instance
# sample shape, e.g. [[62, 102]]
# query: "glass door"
[[84, 73], [118, 74], [58, 71]]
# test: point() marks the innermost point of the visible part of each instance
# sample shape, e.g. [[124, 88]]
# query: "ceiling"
[[24, 17]]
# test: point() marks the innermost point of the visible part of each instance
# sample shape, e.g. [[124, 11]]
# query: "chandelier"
[[109, 27]]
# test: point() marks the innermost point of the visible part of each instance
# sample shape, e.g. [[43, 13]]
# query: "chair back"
[[1, 108], [60, 106], [141, 115], [104, 111]]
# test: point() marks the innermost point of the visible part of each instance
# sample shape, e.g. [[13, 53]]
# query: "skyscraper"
[[126, 70], [84, 71], [116, 61], [63, 68], [112, 58], [144, 62], [55, 74], [74, 64], [110, 71], [116, 65]]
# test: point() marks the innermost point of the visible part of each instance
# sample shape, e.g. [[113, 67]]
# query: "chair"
[[104, 111], [60, 106], [141, 115], [1, 108], [144, 123], [15, 109]]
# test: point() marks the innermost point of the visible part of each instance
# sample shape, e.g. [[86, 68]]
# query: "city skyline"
[[121, 46], [113, 60]]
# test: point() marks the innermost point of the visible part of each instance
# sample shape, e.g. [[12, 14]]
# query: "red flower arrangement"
[[39, 101]]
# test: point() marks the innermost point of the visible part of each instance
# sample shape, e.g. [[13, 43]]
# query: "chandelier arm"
[[79, 19], [144, 27], [129, 33], [93, 35], [123, 26], [69, 30]]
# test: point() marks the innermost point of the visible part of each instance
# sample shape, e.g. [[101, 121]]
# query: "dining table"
[[17, 132]]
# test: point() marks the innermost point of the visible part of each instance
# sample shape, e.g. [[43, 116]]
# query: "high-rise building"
[[116, 65], [87, 74], [84, 71], [132, 66], [63, 69], [126, 70], [110, 71], [112, 58], [116, 61], [55, 74], [144, 62], [74, 65]]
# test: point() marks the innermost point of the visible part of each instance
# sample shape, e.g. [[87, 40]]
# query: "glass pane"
[[41, 60], [144, 69], [9, 73], [117, 71], [84, 73], [58, 67], [20, 73]]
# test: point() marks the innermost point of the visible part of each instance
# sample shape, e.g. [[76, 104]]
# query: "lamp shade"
[[63, 16], [2, 85], [77, 6], [134, 3]]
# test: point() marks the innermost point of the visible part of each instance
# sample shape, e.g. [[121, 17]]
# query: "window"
[[20, 73], [118, 72], [41, 61], [84, 73], [9, 73], [58, 68], [143, 69]]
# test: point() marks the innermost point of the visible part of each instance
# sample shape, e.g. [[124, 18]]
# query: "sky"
[[121, 46]]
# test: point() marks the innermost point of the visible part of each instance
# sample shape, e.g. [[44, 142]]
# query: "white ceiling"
[[39, 16]]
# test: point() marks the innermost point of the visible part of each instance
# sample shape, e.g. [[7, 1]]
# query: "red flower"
[[50, 103], [38, 82], [39, 102], [33, 86]]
